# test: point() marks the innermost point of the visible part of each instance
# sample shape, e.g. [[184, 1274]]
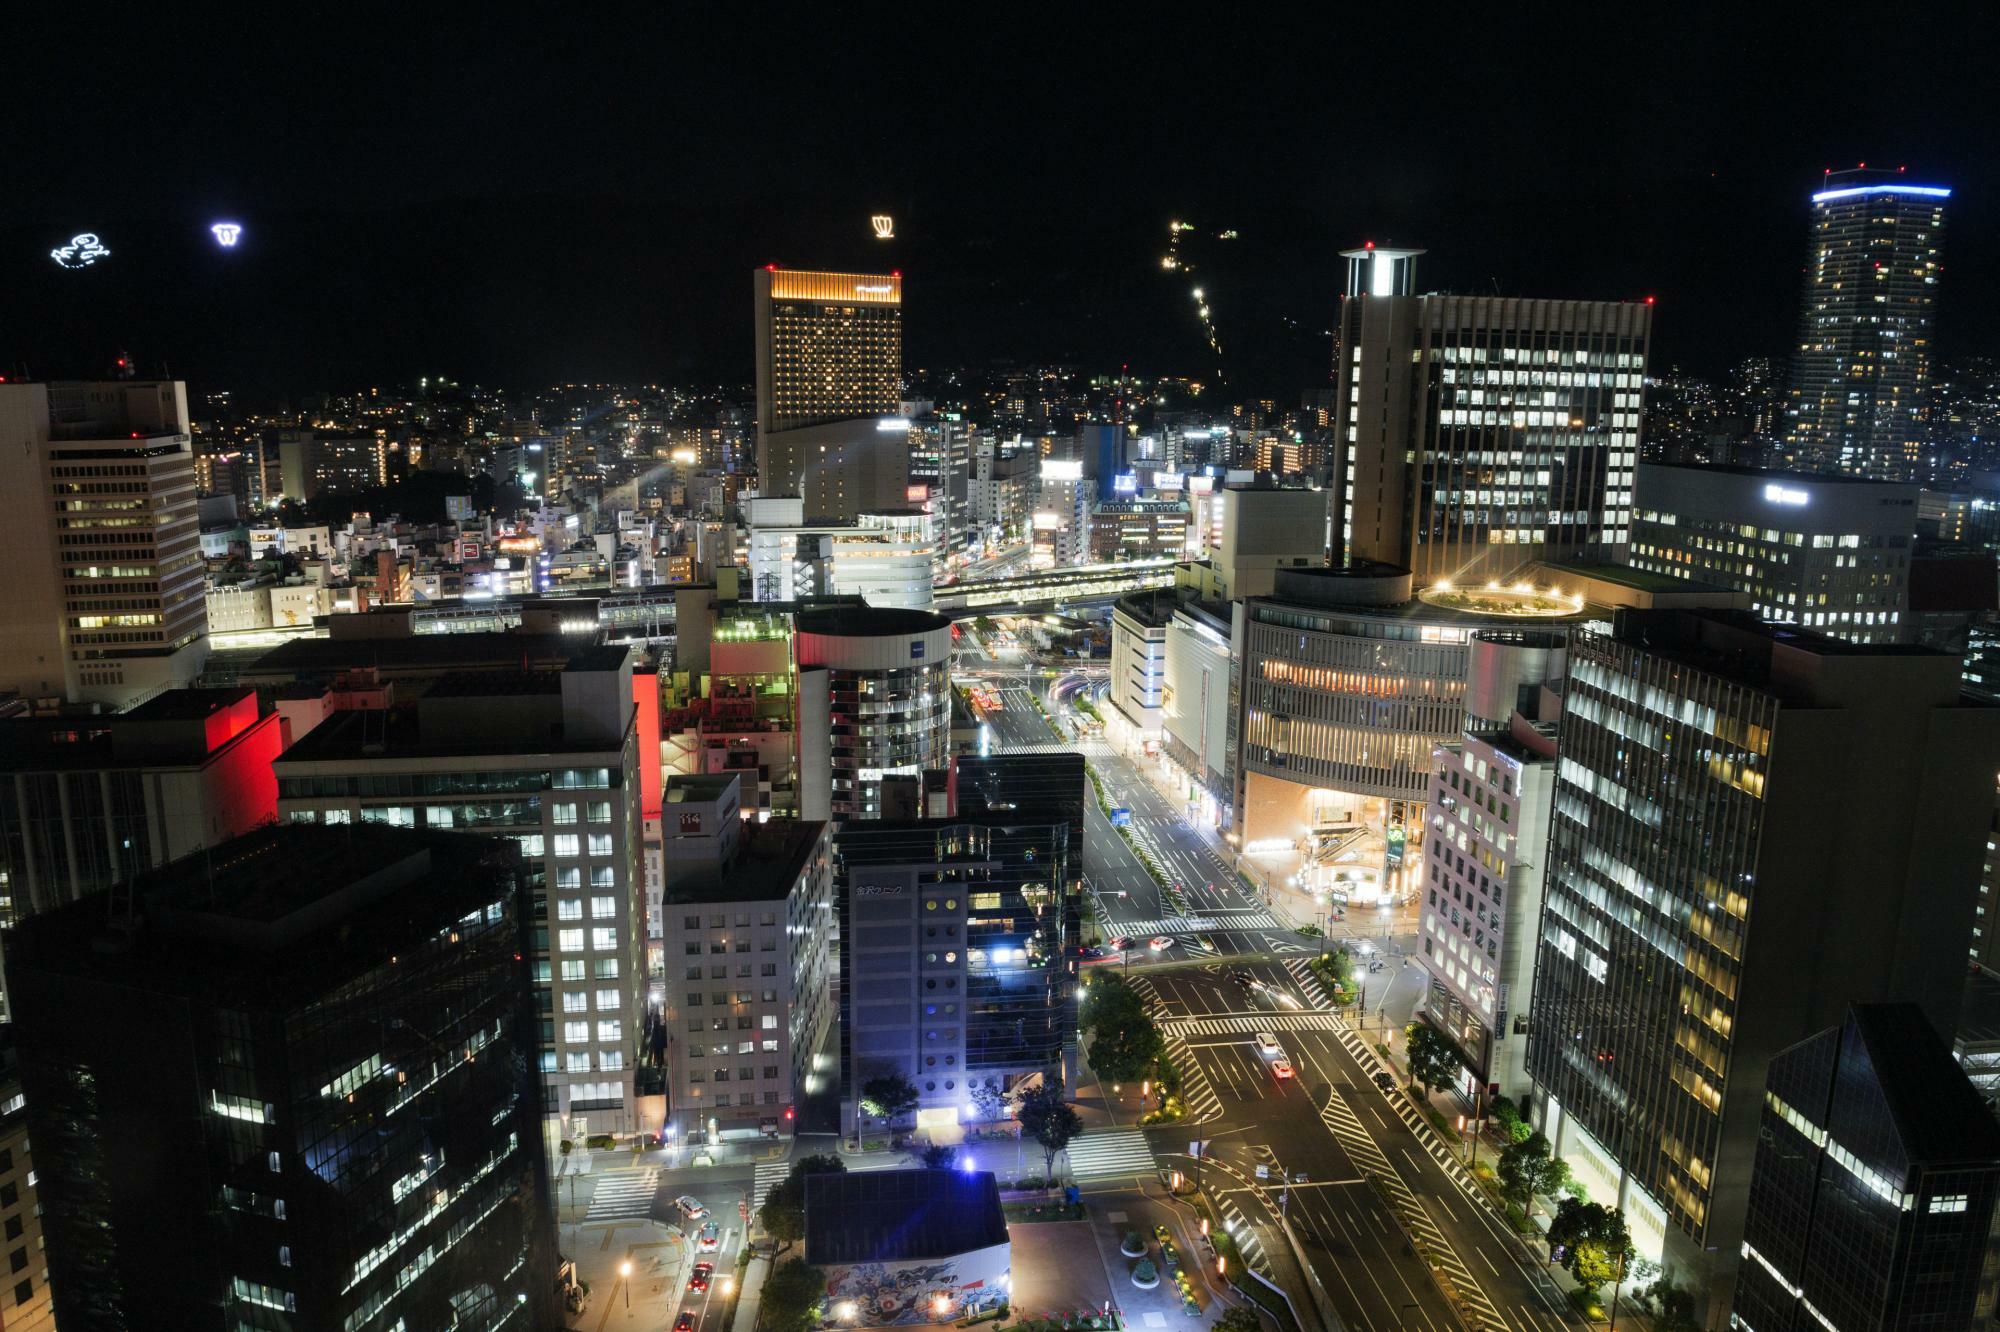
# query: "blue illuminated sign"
[[83, 250], [916, 649], [227, 234], [1930, 191]]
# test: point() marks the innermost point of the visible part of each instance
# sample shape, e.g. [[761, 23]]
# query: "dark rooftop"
[[1939, 1116], [891, 1216], [399, 732], [1767, 474], [419, 654], [869, 621], [1152, 609], [172, 730], [271, 918], [769, 859]]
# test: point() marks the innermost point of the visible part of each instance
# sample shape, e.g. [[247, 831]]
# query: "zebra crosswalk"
[[768, 1175], [1302, 973], [1109, 1155], [622, 1195], [1197, 1092], [1250, 1023], [1138, 930]]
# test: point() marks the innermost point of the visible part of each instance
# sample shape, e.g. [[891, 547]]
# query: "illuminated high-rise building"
[[104, 596], [1754, 827], [829, 391], [1478, 434], [1864, 355]]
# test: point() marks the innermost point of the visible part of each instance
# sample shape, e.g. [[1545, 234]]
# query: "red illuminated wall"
[[652, 785]]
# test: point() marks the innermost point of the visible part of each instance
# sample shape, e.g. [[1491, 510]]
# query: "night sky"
[[520, 203]]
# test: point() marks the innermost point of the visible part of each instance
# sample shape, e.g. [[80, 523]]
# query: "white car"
[[690, 1208], [1268, 1043]]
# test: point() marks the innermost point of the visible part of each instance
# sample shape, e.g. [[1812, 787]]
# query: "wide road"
[[1375, 1196], [1332, 1123]]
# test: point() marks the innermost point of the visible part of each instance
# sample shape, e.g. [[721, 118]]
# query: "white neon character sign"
[[885, 226], [83, 250], [227, 233]]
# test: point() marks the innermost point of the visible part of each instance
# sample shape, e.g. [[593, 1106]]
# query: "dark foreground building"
[[287, 1084], [1873, 1192], [908, 1246]]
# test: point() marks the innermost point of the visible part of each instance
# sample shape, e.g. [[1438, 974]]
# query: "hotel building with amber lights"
[[829, 391]]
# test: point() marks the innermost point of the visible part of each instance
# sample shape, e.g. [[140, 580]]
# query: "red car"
[[685, 1323], [1282, 1067], [698, 1279]]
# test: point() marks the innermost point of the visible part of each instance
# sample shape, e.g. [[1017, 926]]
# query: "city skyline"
[[443, 227]]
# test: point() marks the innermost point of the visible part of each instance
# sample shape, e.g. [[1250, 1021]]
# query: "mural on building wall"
[[888, 1294]]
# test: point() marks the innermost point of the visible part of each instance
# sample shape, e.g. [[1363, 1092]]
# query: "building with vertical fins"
[[1754, 827], [829, 391], [1863, 363], [1873, 1193], [1477, 434], [288, 1084]]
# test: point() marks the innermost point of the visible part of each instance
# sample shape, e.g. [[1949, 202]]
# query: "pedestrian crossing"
[[1302, 972], [1438, 1148], [1108, 1155], [1197, 1092], [1251, 1023], [1238, 1225], [768, 1175], [1138, 931], [622, 1195]]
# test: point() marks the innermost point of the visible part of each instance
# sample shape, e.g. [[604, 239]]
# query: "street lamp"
[[625, 1272]]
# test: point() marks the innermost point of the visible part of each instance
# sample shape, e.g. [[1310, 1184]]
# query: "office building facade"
[[1476, 434], [549, 759], [105, 599], [1872, 1197], [1863, 365], [336, 1122], [1484, 861], [748, 964], [1744, 814], [1347, 682], [874, 703], [1829, 553], [954, 965], [829, 389]]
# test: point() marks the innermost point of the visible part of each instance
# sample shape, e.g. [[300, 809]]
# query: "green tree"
[[1049, 1120], [990, 1102], [887, 1096], [1673, 1306], [783, 1214], [1125, 1045], [792, 1297], [1433, 1061], [1240, 1318], [939, 1156], [1596, 1244], [1527, 1169]]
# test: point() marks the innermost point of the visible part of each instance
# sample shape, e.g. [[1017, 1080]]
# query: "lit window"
[[603, 939], [603, 908], [569, 941]]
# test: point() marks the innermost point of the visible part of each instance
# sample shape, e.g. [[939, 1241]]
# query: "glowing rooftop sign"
[[885, 226], [1929, 191], [1777, 494], [227, 234], [83, 250]]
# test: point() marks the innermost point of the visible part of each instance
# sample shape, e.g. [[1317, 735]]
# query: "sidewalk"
[[1490, 1144]]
